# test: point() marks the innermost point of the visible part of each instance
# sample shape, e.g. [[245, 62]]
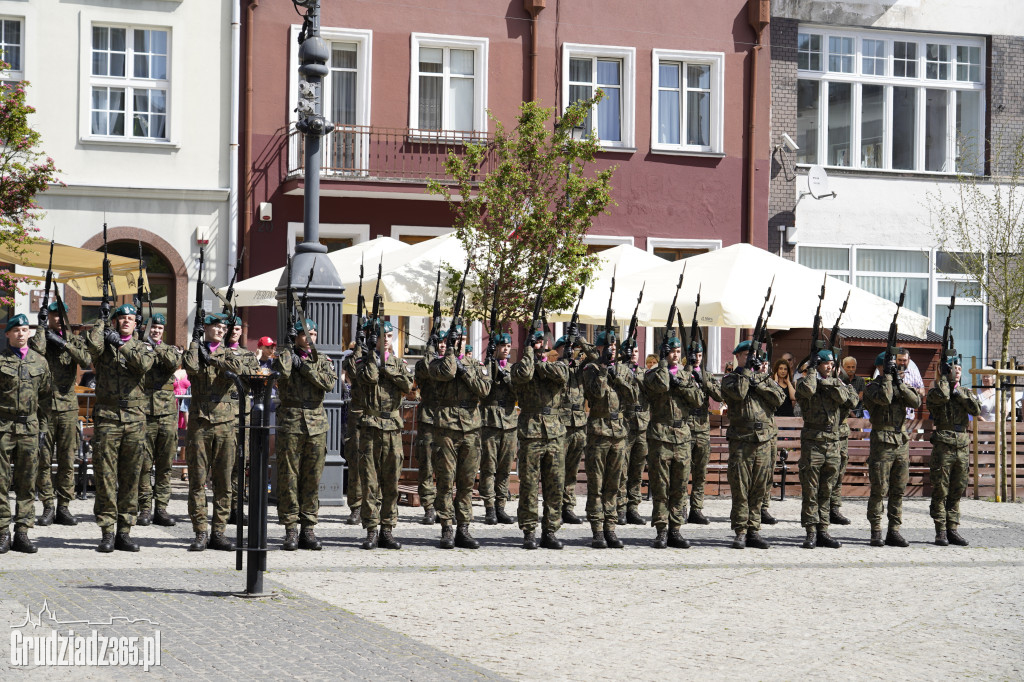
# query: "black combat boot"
[[145, 518], [429, 517], [894, 539], [47, 518], [499, 511], [5, 541], [291, 539], [661, 539], [123, 542], [529, 539], [697, 516], [490, 516], [199, 544], [940, 536], [622, 518], [106, 542], [22, 543], [755, 540], [309, 540], [633, 517], [463, 538], [825, 540], [836, 518], [549, 541], [611, 538], [766, 518], [676, 540], [64, 516], [811, 540], [569, 516], [387, 540], [354, 518], [598, 542], [160, 518], [219, 542], [371, 539], [233, 518], [955, 538], [876, 538], [447, 536], [740, 541]]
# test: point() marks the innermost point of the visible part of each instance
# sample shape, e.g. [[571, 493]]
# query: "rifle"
[[435, 320], [378, 300], [890, 341], [141, 297], [46, 292], [301, 312], [766, 338], [833, 337], [460, 301], [948, 351], [626, 349], [573, 321], [816, 344], [670, 330], [361, 308], [107, 278], [696, 336], [289, 301], [538, 303], [61, 311], [759, 328], [492, 328]]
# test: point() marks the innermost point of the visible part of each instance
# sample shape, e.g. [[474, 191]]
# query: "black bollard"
[[259, 452]]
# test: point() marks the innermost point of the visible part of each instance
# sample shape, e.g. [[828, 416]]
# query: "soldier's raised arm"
[[522, 370], [320, 373]]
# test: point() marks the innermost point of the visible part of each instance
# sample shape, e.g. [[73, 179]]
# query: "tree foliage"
[[521, 204], [981, 227]]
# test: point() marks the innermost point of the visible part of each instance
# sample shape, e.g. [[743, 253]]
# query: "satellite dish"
[[817, 183]]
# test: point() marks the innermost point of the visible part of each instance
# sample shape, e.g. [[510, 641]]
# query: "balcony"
[[392, 155]]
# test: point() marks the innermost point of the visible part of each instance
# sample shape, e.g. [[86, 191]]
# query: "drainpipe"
[[236, 17], [759, 15], [533, 8], [247, 134]]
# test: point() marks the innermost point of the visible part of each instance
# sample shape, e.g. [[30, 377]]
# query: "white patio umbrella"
[[626, 262], [733, 283], [261, 290]]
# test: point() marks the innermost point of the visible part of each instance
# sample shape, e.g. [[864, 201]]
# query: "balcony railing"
[[372, 153]]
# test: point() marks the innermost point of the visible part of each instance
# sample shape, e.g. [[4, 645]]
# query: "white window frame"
[[716, 60], [919, 83], [481, 49], [128, 83], [607, 240], [627, 112], [356, 232], [14, 75], [363, 38]]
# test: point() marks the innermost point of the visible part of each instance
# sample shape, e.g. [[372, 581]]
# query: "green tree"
[[981, 227], [524, 203], [25, 171]]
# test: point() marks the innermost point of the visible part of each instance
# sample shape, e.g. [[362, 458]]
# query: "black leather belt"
[[543, 410], [301, 404], [958, 429], [16, 418], [464, 404]]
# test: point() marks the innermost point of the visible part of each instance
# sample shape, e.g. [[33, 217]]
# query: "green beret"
[[126, 309], [605, 338], [696, 347], [536, 335], [56, 306], [158, 318], [385, 327], [16, 321], [238, 322], [826, 356], [309, 323], [562, 340], [215, 318], [742, 346], [502, 338], [954, 360], [880, 359], [469, 348], [673, 342]]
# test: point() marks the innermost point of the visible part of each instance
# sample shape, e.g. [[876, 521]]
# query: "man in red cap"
[[266, 349]]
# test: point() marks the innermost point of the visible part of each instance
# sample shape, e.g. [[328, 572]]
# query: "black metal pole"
[[259, 450]]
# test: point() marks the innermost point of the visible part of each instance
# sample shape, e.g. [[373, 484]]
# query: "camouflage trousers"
[[116, 461], [61, 434], [575, 444], [354, 491], [604, 474], [18, 454], [750, 466], [210, 456], [818, 468], [888, 471], [700, 455], [769, 483], [425, 448], [161, 445], [499, 450], [949, 482], [300, 464], [668, 466], [380, 467], [634, 457], [457, 461], [844, 459], [541, 463]]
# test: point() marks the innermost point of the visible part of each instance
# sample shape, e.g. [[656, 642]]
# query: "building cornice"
[[121, 192]]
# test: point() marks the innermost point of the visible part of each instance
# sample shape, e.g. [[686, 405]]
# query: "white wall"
[[985, 17]]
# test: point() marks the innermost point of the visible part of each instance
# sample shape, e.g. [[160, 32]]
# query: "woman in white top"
[[987, 396]]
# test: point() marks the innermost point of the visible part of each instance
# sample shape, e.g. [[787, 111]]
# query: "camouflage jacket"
[[699, 420], [951, 409], [120, 377], [383, 388], [752, 400], [573, 413], [888, 405], [302, 393], [25, 384], [498, 409], [671, 404], [355, 396], [428, 389], [539, 386], [160, 381], [607, 389], [636, 404], [458, 393], [214, 394], [64, 363], [824, 404]]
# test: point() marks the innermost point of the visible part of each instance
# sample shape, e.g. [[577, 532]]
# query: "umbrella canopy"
[[733, 283], [261, 290], [80, 269], [627, 263]]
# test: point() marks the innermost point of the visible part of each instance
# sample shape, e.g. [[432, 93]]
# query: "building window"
[[11, 50], [589, 68], [687, 109], [449, 83], [130, 82], [834, 261], [865, 119], [808, 52]]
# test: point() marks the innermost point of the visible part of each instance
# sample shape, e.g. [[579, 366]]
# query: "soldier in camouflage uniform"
[[353, 429], [752, 397], [608, 386], [887, 399], [305, 375], [637, 411], [673, 395], [459, 384], [63, 356], [699, 423], [212, 430], [951, 406], [824, 402], [574, 417], [248, 359], [539, 385], [121, 363], [161, 428], [24, 384], [498, 413], [425, 445], [385, 379]]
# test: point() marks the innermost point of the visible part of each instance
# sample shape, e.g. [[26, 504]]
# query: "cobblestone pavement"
[[858, 612]]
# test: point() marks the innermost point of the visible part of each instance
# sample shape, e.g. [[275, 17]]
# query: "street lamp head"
[[308, 4]]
